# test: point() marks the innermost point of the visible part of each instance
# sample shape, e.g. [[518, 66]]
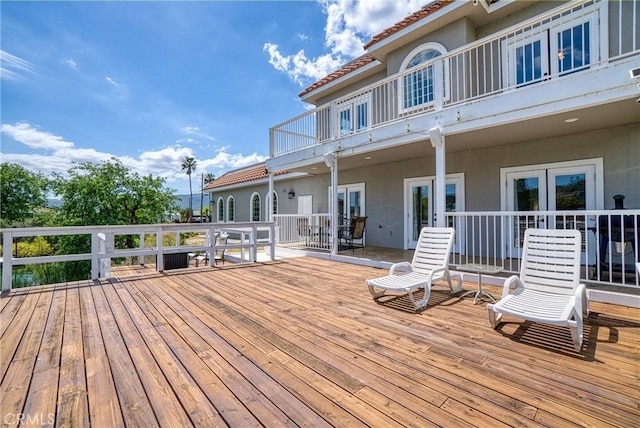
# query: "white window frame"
[[404, 71], [351, 105], [220, 215], [251, 212], [596, 15], [596, 165], [231, 215]]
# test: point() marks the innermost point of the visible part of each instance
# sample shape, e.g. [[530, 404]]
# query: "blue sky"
[[153, 82]]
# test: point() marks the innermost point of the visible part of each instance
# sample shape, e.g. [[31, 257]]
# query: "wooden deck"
[[300, 342]]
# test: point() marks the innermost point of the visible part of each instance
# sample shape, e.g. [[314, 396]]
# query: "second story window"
[[418, 86], [353, 114], [568, 43], [231, 209], [255, 207]]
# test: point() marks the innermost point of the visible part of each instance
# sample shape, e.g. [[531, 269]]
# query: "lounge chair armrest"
[[437, 271], [512, 281], [404, 266], [582, 304]]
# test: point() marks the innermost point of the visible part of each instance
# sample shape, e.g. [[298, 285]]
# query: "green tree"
[[22, 193], [209, 178], [107, 194], [111, 194], [189, 164]]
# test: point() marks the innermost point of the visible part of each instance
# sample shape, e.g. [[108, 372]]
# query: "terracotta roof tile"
[[367, 58], [409, 20], [252, 173], [352, 65]]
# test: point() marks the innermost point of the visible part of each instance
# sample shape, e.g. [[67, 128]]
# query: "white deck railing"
[[611, 239], [101, 247], [480, 69], [303, 231], [610, 243]]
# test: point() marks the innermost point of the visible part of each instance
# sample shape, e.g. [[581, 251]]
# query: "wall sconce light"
[[436, 136], [291, 193]]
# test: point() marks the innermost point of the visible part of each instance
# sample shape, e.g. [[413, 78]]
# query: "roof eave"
[[312, 97], [381, 48]]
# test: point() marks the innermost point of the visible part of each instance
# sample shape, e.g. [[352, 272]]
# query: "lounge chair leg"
[[423, 302], [494, 318], [376, 294], [576, 335]]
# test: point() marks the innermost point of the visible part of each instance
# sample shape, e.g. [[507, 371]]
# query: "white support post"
[[270, 197], [7, 260], [331, 161], [441, 185], [438, 142], [141, 258]]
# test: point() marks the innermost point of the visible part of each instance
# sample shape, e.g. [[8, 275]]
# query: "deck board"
[[300, 342]]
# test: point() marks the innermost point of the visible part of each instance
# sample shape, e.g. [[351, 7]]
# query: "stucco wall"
[[619, 147]]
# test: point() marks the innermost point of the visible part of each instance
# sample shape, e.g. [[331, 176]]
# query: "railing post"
[[272, 240], [95, 249], [159, 258], [7, 260], [253, 241]]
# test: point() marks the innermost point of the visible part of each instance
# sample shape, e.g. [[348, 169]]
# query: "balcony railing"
[[303, 231], [582, 35], [102, 244], [611, 239]]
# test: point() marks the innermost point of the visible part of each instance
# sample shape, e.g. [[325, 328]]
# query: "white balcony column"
[[331, 161], [437, 141]]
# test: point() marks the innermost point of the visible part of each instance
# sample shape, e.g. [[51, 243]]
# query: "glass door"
[[570, 188], [419, 210], [350, 204], [526, 191], [420, 206]]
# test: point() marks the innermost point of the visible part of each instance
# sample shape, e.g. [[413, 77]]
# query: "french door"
[[554, 188], [420, 209]]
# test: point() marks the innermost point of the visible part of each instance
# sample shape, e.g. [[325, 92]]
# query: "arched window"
[[256, 207], [231, 209], [220, 210], [418, 87], [275, 202]]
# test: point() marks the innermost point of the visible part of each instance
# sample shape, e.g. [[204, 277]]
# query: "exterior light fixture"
[[291, 193]]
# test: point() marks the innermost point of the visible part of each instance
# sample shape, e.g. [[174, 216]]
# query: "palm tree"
[[189, 164], [208, 178]]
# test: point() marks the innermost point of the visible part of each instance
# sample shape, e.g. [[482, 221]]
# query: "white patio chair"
[[548, 289], [430, 264]]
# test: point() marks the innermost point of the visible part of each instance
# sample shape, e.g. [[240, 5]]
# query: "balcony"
[[485, 83]]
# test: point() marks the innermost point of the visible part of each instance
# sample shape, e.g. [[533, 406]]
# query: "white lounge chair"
[[548, 289], [430, 263]]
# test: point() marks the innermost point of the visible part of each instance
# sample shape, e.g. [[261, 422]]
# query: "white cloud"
[[110, 80], [52, 154], [13, 67], [33, 138], [349, 25], [72, 63]]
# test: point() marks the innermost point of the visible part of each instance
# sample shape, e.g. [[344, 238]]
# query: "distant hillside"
[[183, 202]]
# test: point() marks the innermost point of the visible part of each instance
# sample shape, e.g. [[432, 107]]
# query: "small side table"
[[479, 268]]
